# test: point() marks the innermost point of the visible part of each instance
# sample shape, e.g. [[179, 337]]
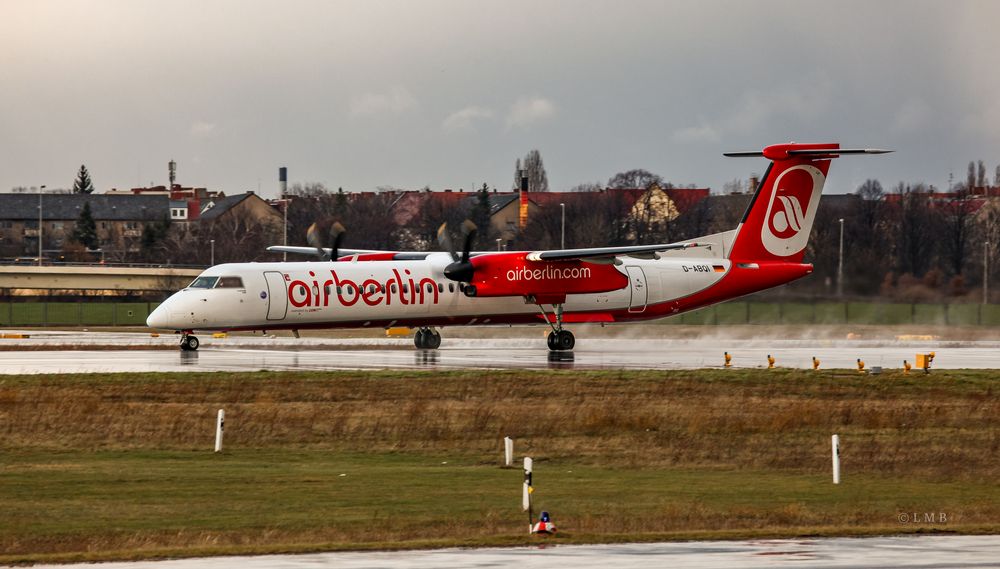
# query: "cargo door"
[[637, 288]]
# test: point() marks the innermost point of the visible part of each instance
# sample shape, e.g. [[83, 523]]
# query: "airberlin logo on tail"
[[790, 218], [791, 211]]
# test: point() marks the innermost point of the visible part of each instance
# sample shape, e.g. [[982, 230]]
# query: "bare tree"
[[956, 224], [637, 178], [913, 230], [538, 180], [970, 176], [981, 176]]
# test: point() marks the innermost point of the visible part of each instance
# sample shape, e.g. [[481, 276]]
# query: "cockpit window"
[[203, 282], [230, 282]]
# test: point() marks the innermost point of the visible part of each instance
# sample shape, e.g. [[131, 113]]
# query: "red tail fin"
[[780, 216]]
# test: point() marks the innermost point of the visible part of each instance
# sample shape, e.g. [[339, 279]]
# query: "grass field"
[[120, 466]]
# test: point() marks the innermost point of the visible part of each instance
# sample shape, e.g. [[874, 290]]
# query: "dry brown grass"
[[942, 425]]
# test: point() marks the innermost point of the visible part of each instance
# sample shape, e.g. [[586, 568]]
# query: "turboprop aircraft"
[[427, 291]]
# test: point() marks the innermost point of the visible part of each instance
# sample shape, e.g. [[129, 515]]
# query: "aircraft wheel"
[[565, 340], [551, 341], [432, 340], [190, 343], [419, 339]]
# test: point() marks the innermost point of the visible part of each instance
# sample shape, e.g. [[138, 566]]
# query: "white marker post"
[[508, 451], [527, 490], [219, 424], [836, 459]]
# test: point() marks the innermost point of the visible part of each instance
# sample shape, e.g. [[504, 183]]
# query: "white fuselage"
[[256, 296]]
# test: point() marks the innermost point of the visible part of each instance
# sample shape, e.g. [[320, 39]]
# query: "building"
[[120, 220], [185, 203]]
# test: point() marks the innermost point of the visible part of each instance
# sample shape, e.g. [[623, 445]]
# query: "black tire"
[[420, 339], [565, 340], [190, 343], [432, 340], [551, 341]]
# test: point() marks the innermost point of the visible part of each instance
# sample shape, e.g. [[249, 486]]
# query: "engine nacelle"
[[513, 275]]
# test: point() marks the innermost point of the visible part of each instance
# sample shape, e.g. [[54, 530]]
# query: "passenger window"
[[440, 287], [326, 290], [393, 288], [230, 282], [203, 282], [302, 290], [340, 290], [430, 287], [451, 287], [406, 288]]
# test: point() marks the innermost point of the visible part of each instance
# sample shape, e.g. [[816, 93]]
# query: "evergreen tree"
[[83, 183], [85, 232], [340, 202], [481, 216]]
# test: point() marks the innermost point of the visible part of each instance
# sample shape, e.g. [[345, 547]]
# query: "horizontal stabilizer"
[[812, 152]]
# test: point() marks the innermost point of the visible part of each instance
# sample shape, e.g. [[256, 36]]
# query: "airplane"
[[349, 288]]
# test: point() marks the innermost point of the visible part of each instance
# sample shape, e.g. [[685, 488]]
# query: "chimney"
[[523, 212]]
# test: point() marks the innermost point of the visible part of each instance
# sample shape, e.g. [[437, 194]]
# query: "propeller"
[[323, 233], [460, 269]]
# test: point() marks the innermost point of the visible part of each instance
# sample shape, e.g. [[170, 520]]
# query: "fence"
[[842, 313], [135, 313], [75, 313]]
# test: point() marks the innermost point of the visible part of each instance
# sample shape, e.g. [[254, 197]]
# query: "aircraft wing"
[[312, 250], [608, 254]]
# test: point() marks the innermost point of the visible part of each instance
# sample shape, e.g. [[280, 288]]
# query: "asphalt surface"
[[45, 352], [841, 553]]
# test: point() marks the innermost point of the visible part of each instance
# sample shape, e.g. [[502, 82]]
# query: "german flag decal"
[[719, 268]]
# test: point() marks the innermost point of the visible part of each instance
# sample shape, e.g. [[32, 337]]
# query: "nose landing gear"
[[427, 339], [189, 342]]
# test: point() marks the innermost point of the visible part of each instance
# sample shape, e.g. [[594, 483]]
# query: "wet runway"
[[842, 553], [122, 352]]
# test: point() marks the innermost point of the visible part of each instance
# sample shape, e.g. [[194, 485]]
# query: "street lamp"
[[212, 243], [986, 272], [40, 189], [840, 261], [562, 241]]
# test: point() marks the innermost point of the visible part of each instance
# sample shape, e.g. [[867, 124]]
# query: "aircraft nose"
[[158, 317]]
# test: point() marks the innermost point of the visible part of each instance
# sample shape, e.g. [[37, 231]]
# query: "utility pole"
[[840, 262], [986, 272], [213, 252]]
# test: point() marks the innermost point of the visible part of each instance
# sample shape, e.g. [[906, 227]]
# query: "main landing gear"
[[559, 340], [427, 339], [189, 342]]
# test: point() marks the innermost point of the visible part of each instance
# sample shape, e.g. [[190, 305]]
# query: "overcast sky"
[[448, 94]]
